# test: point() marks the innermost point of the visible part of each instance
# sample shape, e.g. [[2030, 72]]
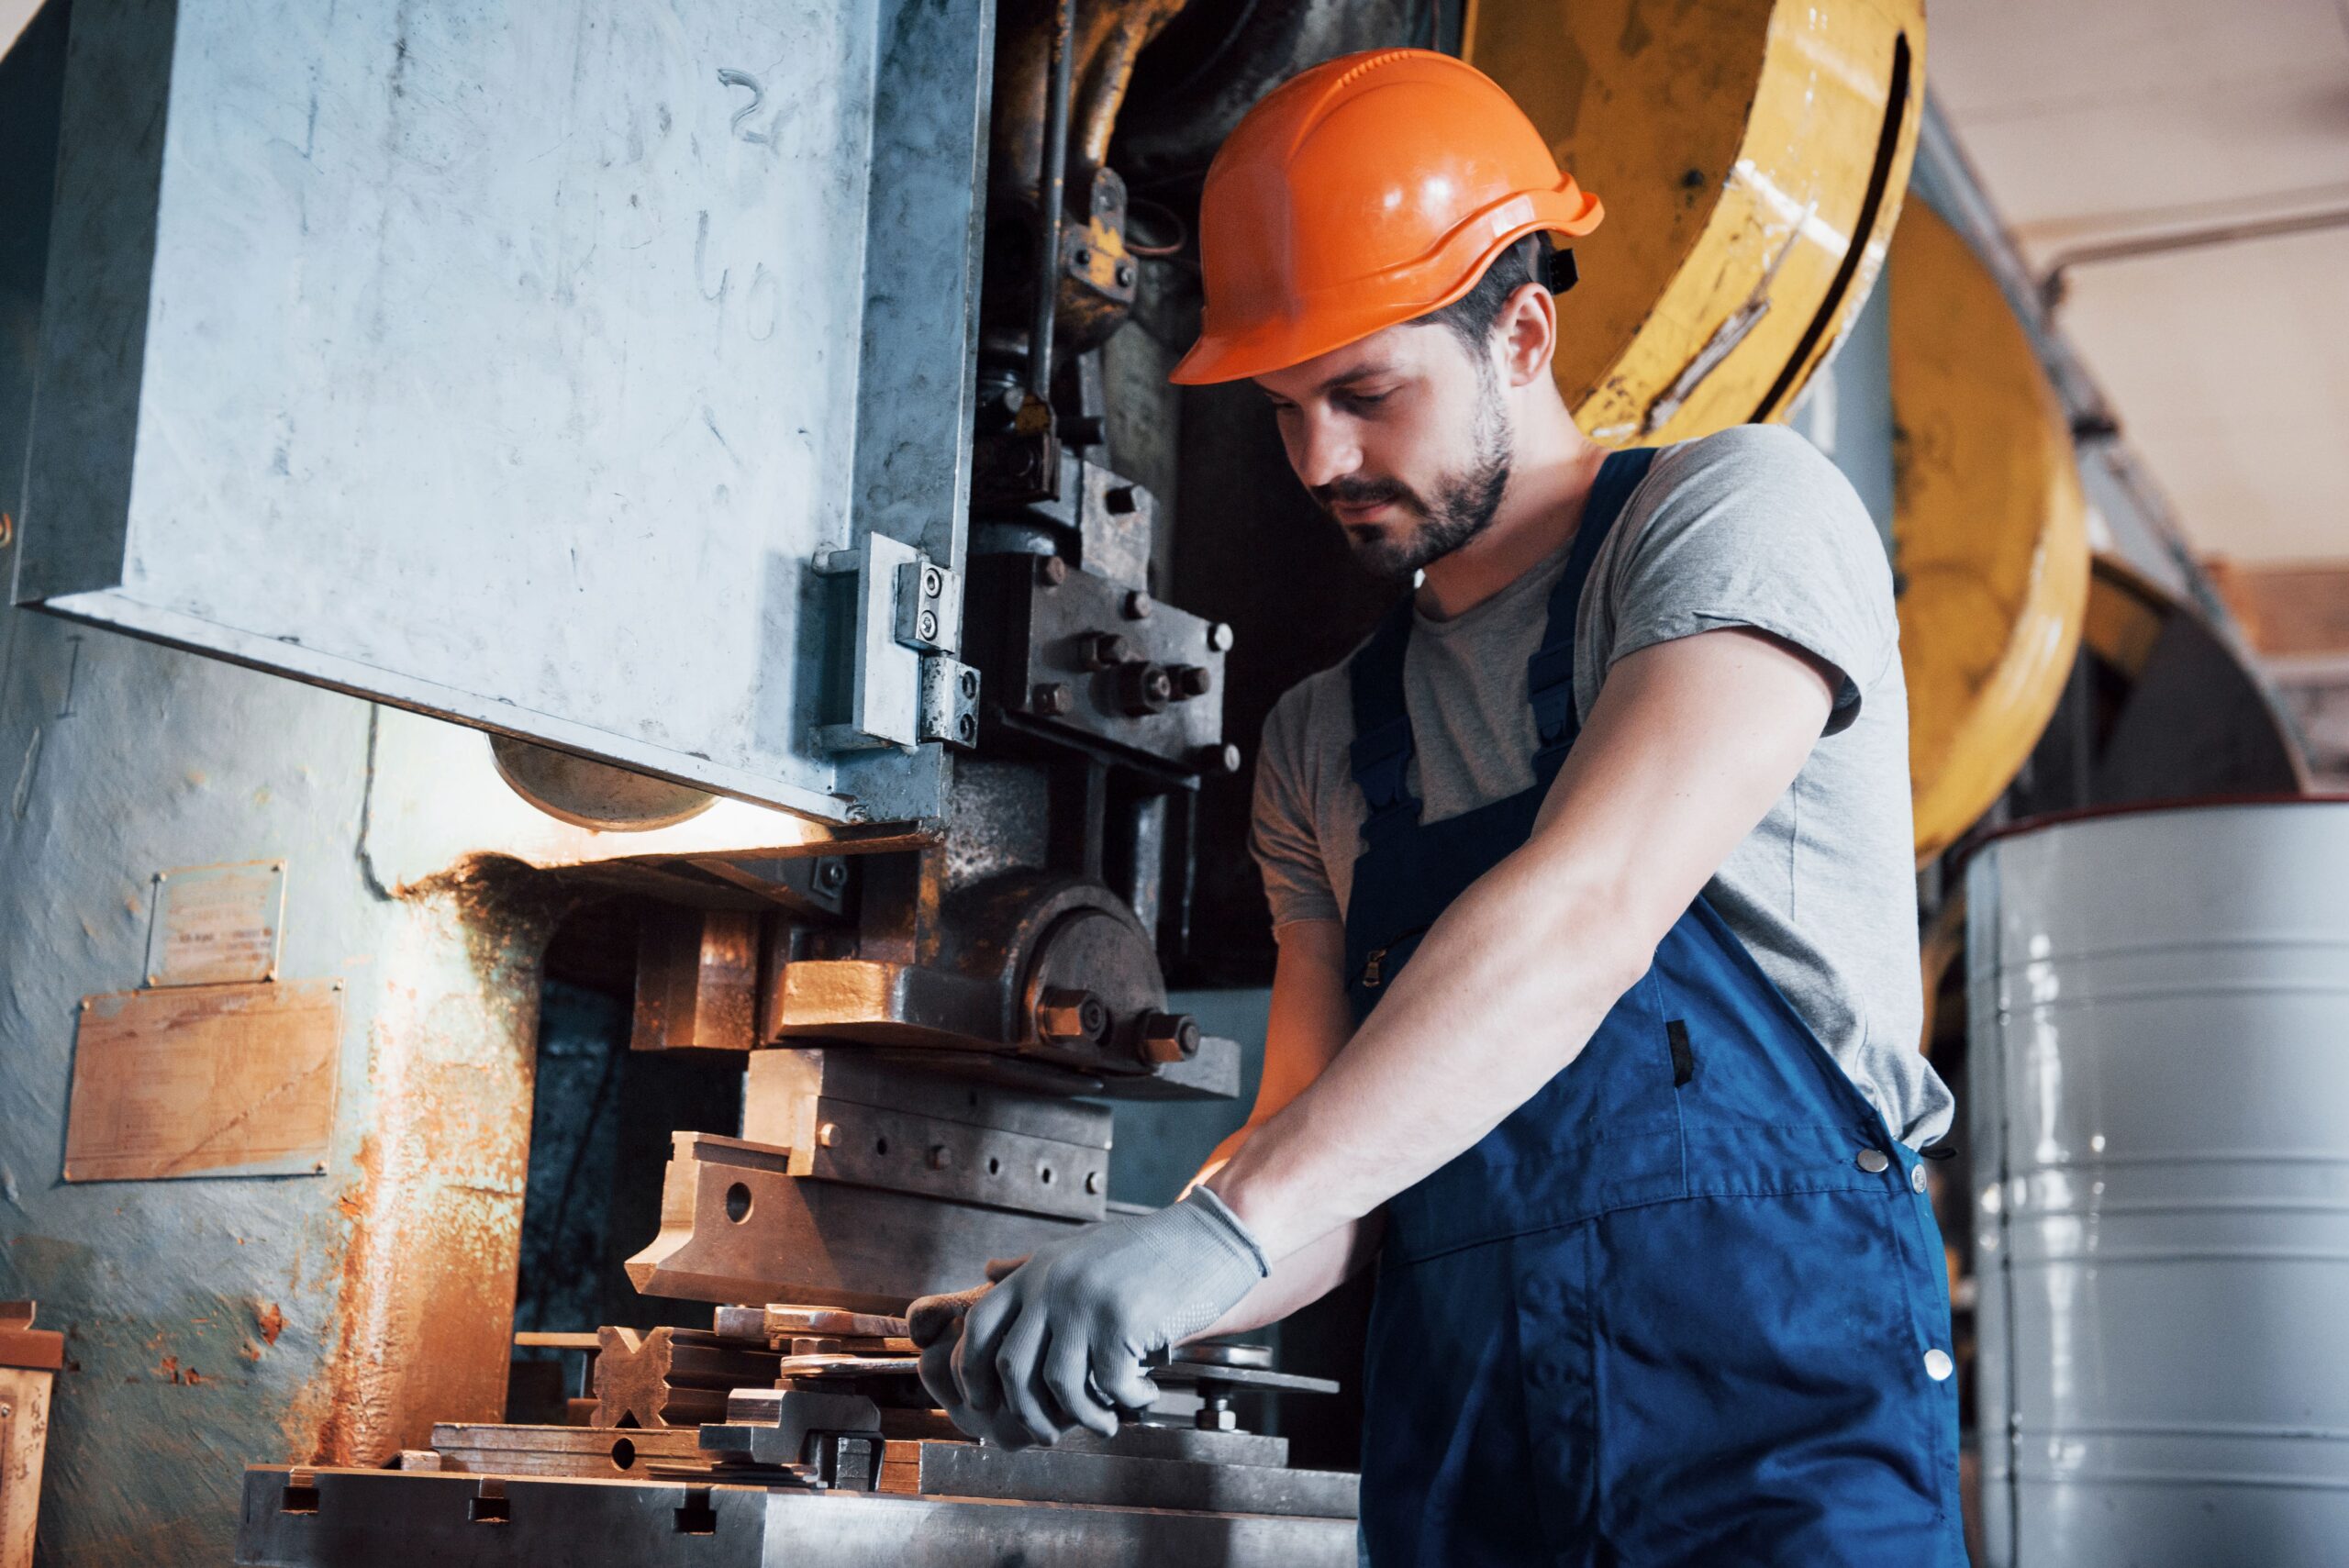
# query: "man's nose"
[[1323, 449]]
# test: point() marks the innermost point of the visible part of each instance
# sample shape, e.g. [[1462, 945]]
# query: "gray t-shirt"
[[1752, 526]]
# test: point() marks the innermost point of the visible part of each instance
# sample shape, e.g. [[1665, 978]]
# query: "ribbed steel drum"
[[2160, 1110]]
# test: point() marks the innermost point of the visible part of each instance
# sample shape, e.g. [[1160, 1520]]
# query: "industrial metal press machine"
[[754, 419]]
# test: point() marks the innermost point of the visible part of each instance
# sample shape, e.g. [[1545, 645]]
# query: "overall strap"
[[1550, 674], [1381, 753]]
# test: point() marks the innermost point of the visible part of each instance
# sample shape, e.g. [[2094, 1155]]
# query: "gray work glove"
[[1060, 1342]]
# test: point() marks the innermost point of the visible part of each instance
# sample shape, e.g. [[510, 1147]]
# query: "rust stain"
[[195, 1376], [272, 1322], [423, 1263], [170, 1368]]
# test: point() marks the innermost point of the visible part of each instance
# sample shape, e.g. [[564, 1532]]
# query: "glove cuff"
[[1228, 1227]]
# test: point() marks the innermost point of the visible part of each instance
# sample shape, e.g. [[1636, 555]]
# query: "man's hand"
[[1060, 1342]]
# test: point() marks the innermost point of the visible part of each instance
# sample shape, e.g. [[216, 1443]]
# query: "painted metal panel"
[[515, 361], [2158, 1077]]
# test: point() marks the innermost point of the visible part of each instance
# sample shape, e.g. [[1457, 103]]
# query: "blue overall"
[[1675, 1310]]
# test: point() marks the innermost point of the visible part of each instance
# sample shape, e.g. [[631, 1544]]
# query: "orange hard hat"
[[1371, 189]]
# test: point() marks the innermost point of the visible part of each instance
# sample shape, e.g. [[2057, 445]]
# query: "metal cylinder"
[[2160, 1102]]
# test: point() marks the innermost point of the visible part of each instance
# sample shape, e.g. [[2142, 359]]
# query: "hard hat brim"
[[1326, 325]]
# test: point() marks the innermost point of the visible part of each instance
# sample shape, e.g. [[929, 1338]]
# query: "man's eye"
[[1366, 399]]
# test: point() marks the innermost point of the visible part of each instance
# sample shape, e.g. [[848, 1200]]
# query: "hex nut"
[[1192, 681], [1137, 605], [1220, 637], [1066, 1016], [1168, 1037], [1106, 650], [1052, 699], [1051, 570]]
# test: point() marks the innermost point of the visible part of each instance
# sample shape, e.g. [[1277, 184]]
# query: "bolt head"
[[1085, 255], [1126, 273], [941, 1157], [1137, 605], [833, 873], [1193, 680], [1065, 1015], [927, 625], [1092, 1181], [1052, 699], [1051, 570], [828, 1135], [1168, 1037], [932, 582], [1223, 759], [1219, 638]]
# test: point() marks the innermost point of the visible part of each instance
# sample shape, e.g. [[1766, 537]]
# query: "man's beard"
[[1462, 505]]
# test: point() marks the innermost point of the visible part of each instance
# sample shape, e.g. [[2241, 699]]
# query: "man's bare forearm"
[[1305, 1276], [1503, 992], [1686, 749]]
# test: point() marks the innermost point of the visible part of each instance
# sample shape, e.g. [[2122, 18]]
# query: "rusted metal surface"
[[424, 1306], [696, 979]]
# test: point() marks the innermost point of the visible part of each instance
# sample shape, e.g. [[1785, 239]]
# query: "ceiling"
[[2093, 122]]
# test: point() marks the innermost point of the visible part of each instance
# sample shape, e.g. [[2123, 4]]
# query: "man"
[[1595, 1010]]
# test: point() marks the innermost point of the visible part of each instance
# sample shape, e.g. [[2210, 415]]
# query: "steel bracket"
[[897, 683]]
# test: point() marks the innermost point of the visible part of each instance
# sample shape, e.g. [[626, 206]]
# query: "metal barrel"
[[2159, 1049]]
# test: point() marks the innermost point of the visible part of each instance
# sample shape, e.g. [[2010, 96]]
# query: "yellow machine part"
[[1989, 530], [1752, 156]]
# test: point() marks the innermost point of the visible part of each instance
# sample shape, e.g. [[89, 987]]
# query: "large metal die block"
[[351, 1518], [518, 362], [736, 1225]]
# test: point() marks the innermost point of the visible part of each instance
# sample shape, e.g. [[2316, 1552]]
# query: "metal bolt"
[[1052, 699], [1093, 1180], [970, 683], [1067, 1016], [941, 1156], [828, 1135], [1137, 605], [1125, 274], [1051, 570], [926, 626], [932, 582], [1106, 650], [1193, 680], [1223, 759], [1084, 256], [1168, 1037], [968, 729], [833, 873], [1219, 638]]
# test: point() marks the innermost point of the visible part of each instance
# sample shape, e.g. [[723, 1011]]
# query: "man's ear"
[[1528, 332]]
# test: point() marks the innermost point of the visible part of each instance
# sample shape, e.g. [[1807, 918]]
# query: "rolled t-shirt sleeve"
[[1283, 834], [1755, 528]]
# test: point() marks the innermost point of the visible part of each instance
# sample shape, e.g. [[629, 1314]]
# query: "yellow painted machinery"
[[1752, 156], [1990, 531]]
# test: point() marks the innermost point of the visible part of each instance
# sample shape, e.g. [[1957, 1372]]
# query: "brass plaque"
[[197, 1081], [217, 924]]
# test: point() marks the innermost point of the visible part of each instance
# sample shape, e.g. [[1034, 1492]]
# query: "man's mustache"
[[1367, 493]]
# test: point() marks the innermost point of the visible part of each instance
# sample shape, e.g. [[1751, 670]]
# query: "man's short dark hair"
[[1473, 314]]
